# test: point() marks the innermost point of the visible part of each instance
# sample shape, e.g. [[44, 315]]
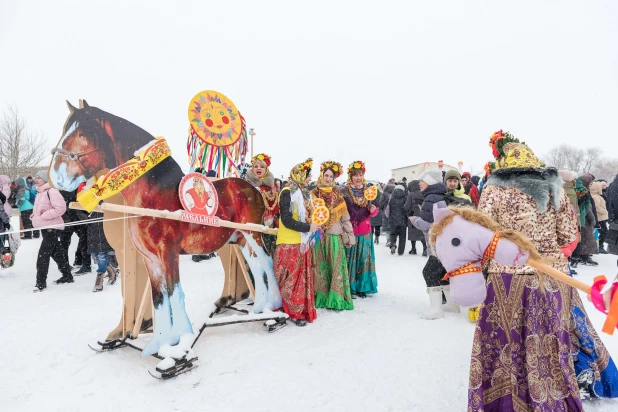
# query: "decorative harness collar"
[[470, 267]]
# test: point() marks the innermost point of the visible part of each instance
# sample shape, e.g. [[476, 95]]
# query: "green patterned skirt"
[[332, 281]]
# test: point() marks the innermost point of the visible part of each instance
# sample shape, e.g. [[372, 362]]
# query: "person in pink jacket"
[[5, 188], [49, 207]]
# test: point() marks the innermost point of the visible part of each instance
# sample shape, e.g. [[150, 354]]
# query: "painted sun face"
[[215, 117]]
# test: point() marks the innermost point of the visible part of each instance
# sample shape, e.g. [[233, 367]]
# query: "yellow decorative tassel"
[[118, 179]]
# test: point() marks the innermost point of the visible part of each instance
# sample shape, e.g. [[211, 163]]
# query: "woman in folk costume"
[[521, 354], [260, 176], [361, 257], [332, 288], [293, 268]]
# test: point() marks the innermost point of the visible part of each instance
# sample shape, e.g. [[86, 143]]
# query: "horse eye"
[[455, 241]]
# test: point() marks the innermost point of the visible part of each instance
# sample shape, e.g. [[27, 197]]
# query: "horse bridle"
[[72, 155]]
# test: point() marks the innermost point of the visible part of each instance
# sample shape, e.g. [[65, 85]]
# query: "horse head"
[[85, 148], [461, 239]]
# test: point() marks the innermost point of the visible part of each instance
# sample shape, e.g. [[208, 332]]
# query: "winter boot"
[[413, 251], [587, 260], [602, 251], [40, 286], [449, 306], [300, 322], [85, 268], [424, 249], [98, 284], [435, 301], [112, 273], [393, 249], [66, 278]]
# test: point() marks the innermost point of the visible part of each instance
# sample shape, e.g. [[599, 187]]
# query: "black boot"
[[587, 260], [413, 251], [67, 278], [602, 251], [83, 270]]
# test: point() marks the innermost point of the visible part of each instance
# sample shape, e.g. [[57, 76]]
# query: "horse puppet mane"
[[483, 219]]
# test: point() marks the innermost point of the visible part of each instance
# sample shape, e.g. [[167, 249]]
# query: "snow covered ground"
[[379, 357]]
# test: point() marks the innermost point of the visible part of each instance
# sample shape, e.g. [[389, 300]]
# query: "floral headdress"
[[299, 173], [263, 157], [509, 153], [331, 165], [356, 165]]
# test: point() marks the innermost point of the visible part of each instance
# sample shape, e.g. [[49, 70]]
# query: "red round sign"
[[198, 195]]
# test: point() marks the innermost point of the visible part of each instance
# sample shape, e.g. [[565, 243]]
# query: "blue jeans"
[[101, 259]]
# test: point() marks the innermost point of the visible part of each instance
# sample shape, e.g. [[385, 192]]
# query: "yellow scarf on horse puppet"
[[116, 180]]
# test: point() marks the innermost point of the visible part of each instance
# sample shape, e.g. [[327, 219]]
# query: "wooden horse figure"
[[94, 140]]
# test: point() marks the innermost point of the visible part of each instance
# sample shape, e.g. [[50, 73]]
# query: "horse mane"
[[483, 219]]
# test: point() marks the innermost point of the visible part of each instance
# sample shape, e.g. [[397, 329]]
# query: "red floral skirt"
[[294, 274]]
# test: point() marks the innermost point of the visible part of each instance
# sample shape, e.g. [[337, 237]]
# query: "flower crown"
[[263, 157], [332, 165], [498, 140], [307, 164], [356, 165]]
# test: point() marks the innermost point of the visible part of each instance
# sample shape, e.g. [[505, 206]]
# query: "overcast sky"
[[391, 83]]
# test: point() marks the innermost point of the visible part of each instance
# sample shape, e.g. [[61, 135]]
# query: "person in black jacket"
[[398, 220], [414, 200], [434, 193], [82, 258], [376, 221]]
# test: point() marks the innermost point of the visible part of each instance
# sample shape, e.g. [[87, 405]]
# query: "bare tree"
[[20, 149], [582, 161], [591, 159], [558, 156]]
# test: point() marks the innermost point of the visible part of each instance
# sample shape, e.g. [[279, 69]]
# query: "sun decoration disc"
[[215, 119], [371, 193], [318, 202], [320, 215]]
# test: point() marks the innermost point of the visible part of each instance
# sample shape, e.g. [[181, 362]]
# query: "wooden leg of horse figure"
[[133, 274]]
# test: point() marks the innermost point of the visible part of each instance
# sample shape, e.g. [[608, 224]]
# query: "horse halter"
[[470, 267], [72, 155]]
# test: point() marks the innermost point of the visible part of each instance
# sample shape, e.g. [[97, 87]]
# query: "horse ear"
[[440, 210], [71, 107], [85, 104]]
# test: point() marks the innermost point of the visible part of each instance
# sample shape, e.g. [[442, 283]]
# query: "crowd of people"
[[44, 213], [532, 332], [526, 317]]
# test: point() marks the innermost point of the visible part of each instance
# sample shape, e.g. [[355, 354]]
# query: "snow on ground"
[[379, 357]]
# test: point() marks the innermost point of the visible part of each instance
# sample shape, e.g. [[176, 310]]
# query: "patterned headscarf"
[[511, 153], [299, 174]]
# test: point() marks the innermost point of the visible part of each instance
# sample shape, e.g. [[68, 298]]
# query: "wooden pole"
[[163, 214], [556, 274]]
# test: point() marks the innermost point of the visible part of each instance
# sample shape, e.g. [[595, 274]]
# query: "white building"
[[412, 172]]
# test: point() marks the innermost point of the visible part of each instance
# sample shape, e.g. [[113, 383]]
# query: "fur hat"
[[391, 181], [400, 187], [567, 175], [452, 174], [431, 177], [43, 175]]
